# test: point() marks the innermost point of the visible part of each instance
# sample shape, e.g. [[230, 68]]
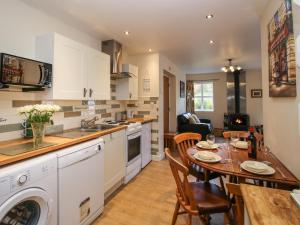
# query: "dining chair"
[[238, 205], [196, 198], [244, 135], [185, 141]]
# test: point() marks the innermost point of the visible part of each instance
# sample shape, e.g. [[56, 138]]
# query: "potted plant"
[[38, 116]]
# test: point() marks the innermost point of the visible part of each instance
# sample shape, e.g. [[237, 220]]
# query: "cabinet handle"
[[91, 92], [84, 92], [130, 95]]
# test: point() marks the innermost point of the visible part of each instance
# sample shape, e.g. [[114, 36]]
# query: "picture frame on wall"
[[282, 55], [256, 93], [182, 89]]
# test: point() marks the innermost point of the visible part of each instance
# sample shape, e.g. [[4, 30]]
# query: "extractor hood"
[[114, 49]]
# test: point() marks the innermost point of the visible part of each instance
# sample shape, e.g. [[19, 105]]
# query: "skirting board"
[[160, 156]]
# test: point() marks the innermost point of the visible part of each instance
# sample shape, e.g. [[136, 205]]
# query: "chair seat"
[[198, 172], [209, 198]]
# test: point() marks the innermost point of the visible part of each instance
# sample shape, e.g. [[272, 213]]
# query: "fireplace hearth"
[[236, 121]]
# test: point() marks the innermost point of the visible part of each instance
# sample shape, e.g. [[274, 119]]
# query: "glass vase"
[[38, 131]]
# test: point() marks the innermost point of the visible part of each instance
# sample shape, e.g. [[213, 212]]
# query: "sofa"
[[184, 124]]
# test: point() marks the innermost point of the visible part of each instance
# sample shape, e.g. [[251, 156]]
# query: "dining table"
[[230, 164]]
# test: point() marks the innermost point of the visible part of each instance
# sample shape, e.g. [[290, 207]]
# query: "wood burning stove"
[[236, 121]]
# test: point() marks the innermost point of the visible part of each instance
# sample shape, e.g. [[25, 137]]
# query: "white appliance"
[[28, 192], [81, 183], [133, 151], [146, 144]]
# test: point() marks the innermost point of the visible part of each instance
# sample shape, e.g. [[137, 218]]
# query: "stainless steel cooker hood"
[[114, 49]]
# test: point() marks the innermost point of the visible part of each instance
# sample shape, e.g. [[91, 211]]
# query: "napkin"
[[241, 144], [256, 166], [204, 144], [206, 155]]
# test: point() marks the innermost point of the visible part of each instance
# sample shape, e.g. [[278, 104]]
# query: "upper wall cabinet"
[[127, 88], [79, 72]]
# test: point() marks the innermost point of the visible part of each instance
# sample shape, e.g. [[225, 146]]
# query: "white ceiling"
[[176, 28]]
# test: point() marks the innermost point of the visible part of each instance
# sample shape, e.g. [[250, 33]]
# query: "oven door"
[[133, 147]]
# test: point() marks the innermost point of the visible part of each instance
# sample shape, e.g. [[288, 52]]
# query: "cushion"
[[192, 120], [196, 118]]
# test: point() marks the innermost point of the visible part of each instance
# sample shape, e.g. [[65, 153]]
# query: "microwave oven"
[[20, 71]]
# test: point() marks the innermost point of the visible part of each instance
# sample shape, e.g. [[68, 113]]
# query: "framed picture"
[[256, 93], [182, 89], [282, 59]]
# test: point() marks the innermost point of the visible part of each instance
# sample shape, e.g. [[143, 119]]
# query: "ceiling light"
[[211, 42], [231, 67], [126, 32], [209, 16], [149, 50]]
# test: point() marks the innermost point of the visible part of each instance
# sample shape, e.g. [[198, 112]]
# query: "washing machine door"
[[28, 207]]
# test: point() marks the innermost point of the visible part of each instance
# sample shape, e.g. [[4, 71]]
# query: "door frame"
[[172, 100]]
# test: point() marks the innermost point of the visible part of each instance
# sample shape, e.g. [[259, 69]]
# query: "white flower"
[[25, 109]]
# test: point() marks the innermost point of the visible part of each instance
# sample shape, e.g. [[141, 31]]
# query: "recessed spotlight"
[[211, 42], [149, 50], [209, 16], [126, 32]]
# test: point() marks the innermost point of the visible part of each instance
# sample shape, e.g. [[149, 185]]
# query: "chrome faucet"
[[89, 123], [2, 120]]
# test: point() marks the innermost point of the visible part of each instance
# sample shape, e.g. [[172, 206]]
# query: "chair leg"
[[175, 214], [227, 218], [189, 220], [205, 219]]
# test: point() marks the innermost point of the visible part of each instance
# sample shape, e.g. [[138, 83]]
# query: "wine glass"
[[266, 150], [211, 139], [227, 156], [234, 139]]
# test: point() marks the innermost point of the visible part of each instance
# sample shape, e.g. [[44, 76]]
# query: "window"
[[204, 96]]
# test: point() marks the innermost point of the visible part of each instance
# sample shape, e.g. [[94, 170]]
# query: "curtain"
[[190, 96]]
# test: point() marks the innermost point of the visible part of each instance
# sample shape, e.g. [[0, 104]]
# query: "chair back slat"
[[239, 204], [244, 135], [185, 141], [180, 174]]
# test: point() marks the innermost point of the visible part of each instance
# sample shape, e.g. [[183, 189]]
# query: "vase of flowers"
[[38, 116]]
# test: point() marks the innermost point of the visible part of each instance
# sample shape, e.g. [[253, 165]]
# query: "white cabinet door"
[[146, 144], [98, 74], [127, 88], [133, 86], [114, 159]]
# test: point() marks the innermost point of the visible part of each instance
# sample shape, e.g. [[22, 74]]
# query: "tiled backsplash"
[[73, 111]]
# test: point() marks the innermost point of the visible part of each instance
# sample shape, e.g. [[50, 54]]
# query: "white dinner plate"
[[214, 159], [203, 145], [250, 167]]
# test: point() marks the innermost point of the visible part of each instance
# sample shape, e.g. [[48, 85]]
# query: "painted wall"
[[281, 115], [254, 105]]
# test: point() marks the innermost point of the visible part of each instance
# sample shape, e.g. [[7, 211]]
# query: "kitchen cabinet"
[[79, 72], [146, 144], [114, 160], [127, 88]]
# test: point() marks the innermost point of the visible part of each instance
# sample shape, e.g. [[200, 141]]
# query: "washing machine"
[[28, 192]]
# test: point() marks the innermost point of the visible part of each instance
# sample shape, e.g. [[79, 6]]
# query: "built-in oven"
[[133, 147]]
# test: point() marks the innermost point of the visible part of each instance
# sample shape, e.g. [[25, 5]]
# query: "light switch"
[[298, 50]]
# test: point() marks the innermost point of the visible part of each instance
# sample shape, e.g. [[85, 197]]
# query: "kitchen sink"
[[98, 127]]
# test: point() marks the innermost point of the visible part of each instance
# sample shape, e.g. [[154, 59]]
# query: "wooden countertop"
[[266, 206], [59, 144], [141, 120]]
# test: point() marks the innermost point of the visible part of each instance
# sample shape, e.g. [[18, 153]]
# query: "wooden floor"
[[149, 199]]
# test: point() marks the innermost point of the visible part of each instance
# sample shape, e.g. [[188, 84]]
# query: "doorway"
[[166, 104]]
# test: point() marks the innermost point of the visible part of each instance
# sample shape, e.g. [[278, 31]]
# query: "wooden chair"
[[196, 198], [239, 204], [188, 140]]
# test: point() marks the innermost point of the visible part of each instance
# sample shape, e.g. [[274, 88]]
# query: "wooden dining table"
[[230, 165]]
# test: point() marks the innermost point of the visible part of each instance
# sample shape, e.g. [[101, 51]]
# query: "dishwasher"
[[81, 183]]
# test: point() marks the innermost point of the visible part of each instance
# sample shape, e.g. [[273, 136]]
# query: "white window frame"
[[202, 97]]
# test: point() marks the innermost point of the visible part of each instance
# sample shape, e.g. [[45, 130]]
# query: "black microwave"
[[20, 71]]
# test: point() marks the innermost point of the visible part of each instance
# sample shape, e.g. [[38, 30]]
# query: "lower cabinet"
[[146, 144], [114, 161]]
